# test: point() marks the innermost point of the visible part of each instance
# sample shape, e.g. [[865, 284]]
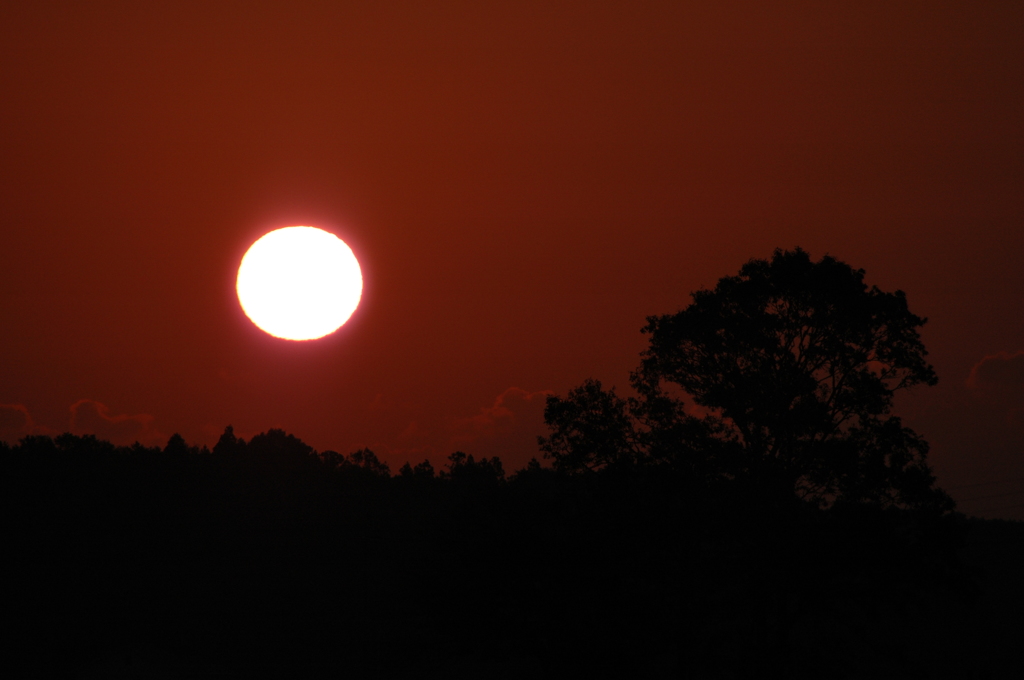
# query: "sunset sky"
[[523, 183]]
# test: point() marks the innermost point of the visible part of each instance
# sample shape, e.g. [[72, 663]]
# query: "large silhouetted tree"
[[782, 376]]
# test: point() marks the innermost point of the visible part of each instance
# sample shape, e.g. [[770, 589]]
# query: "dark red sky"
[[522, 185]]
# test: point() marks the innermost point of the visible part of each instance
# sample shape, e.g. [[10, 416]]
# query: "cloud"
[[976, 432], [92, 417], [999, 377], [502, 417], [15, 422], [507, 429]]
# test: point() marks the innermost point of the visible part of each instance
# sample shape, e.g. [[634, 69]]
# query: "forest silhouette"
[[752, 509]]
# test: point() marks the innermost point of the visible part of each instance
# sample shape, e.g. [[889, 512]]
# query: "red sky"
[[522, 184]]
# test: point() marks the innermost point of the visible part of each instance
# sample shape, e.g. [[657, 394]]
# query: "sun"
[[299, 283]]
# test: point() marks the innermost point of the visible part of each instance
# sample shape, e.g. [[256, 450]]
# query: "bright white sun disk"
[[299, 283]]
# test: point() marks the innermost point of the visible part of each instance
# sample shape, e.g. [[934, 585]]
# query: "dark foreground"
[[270, 561]]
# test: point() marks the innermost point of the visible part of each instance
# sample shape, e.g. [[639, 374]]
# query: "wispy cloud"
[[92, 417], [999, 377], [16, 422]]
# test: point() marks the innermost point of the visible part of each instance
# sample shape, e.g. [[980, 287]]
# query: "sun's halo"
[[299, 283]]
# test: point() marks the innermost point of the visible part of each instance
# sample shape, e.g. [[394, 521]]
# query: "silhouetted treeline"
[[754, 509], [268, 559]]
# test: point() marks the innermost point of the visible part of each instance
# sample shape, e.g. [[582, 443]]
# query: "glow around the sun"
[[299, 283]]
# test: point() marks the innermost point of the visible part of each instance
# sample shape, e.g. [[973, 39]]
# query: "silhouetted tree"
[[365, 459], [229, 444], [176, 446], [422, 470], [463, 468], [332, 460], [592, 428], [83, 444], [275, 444], [792, 366]]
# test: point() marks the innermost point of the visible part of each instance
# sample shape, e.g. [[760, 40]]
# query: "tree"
[[461, 468], [423, 470], [176, 446], [366, 461], [783, 375], [228, 444]]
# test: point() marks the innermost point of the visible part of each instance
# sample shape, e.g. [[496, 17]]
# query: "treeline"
[[266, 558], [754, 508]]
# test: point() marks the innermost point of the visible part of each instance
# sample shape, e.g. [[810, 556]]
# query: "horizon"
[[522, 185]]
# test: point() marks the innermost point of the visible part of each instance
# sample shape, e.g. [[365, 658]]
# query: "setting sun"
[[299, 283]]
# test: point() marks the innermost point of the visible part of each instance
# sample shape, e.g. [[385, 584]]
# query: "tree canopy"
[[782, 376]]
